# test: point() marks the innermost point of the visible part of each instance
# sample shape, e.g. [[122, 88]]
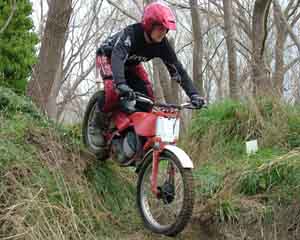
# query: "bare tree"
[[124, 10], [41, 17], [175, 96], [40, 85], [197, 46], [283, 29], [77, 59], [261, 73], [158, 90], [231, 49], [203, 28], [79, 56], [164, 85]]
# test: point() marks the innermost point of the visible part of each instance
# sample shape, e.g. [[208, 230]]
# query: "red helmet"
[[158, 13]]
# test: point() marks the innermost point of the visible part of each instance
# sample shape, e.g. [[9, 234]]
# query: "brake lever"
[[127, 99], [143, 98], [192, 107]]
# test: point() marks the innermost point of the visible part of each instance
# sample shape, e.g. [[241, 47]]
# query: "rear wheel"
[[170, 212], [95, 143]]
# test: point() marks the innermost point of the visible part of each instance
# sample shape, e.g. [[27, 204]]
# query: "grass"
[[226, 176], [49, 189]]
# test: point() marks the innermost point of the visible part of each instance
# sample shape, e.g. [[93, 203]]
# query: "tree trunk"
[[174, 85], [158, 91], [279, 50], [53, 41], [164, 79], [261, 74], [197, 46], [51, 107], [219, 79], [297, 92], [231, 49], [289, 28]]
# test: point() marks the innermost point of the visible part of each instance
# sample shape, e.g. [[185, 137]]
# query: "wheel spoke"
[[164, 213]]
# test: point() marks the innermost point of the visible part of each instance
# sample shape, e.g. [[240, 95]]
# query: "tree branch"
[[291, 64], [288, 26], [295, 8], [215, 52], [123, 11]]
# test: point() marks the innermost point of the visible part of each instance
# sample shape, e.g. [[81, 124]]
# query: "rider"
[[119, 59]]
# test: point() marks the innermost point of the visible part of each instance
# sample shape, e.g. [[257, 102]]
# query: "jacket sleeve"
[[120, 54], [176, 70]]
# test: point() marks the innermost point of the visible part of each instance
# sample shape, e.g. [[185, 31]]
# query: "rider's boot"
[[127, 106]]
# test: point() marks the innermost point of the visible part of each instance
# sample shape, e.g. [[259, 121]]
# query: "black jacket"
[[129, 47]]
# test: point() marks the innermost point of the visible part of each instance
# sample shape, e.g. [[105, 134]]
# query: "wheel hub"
[[166, 192]]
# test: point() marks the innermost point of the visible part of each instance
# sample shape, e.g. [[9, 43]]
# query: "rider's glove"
[[126, 91], [197, 101]]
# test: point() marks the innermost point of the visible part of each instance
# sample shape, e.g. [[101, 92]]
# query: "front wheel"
[[168, 213]]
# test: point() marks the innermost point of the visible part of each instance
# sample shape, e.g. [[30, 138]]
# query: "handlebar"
[[143, 98]]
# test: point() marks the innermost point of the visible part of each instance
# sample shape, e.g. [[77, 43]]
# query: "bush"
[[223, 128], [228, 181], [17, 45], [11, 103]]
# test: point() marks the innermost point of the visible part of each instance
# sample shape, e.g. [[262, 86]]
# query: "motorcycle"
[[165, 189]]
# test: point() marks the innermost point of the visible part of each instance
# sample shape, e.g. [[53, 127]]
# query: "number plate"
[[167, 129]]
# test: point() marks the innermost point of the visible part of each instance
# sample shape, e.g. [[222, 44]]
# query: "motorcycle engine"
[[131, 144], [126, 146]]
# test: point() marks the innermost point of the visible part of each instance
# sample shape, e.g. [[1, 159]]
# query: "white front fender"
[[184, 159]]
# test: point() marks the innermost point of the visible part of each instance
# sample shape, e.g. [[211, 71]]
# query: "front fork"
[[155, 164], [158, 148]]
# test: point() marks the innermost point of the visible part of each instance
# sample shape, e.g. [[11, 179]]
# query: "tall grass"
[[50, 188], [225, 174]]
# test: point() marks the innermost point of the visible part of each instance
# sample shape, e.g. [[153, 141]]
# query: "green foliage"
[[72, 132], [224, 127], [227, 211], [48, 184], [46, 181], [217, 115], [106, 183], [11, 103], [17, 45], [293, 122], [226, 177], [220, 129], [264, 177], [209, 180]]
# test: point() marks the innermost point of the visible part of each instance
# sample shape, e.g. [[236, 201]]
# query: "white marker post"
[[251, 147]]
